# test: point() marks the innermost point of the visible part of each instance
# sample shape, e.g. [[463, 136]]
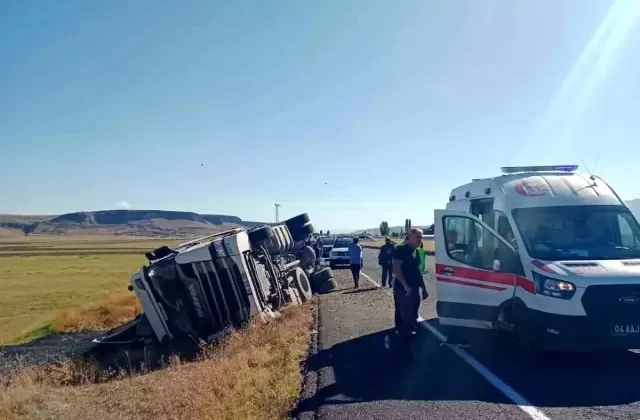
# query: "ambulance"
[[546, 254]]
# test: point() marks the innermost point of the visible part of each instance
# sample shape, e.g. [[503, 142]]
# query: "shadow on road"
[[354, 291], [557, 379], [363, 369], [563, 379]]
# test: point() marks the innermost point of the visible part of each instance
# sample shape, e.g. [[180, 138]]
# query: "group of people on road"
[[403, 267]]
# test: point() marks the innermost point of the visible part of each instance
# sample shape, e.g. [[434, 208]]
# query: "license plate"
[[625, 329]]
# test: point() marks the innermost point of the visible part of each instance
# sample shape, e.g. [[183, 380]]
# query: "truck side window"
[[469, 242]]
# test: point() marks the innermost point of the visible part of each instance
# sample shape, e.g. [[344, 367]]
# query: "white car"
[[327, 245], [339, 254]]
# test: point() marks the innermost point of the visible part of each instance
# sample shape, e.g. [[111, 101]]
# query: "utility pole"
[[277, 213]]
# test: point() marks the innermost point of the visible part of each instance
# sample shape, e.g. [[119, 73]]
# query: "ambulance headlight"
[[553, 287]]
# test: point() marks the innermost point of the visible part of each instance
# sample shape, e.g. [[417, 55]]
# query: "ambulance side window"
[[468, 242], [627, 237], [504, 229]]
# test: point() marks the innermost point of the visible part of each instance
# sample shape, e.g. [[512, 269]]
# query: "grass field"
[[41, 278]]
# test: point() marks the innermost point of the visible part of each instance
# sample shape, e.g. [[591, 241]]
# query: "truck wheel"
[[302, 284], [302, 232], [297, 221], [322, 275], [261, 234], [328, 286], [320, 278], [293, 296]]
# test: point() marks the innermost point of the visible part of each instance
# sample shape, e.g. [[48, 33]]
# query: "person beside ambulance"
[[406, 291], [423, 258]]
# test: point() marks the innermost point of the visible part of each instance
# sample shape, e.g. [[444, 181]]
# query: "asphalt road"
[[357, 377]]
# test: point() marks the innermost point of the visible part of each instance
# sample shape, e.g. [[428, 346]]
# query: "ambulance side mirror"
[[496, 265]]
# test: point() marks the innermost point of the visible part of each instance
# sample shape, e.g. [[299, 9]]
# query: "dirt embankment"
[[254, 374]]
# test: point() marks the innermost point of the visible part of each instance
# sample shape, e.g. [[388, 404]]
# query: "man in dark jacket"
[[406, 290], [384, 260]]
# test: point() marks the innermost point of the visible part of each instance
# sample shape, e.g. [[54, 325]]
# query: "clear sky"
[[353, 111]]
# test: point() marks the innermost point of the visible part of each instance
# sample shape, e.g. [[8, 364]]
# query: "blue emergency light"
[[544, 168]]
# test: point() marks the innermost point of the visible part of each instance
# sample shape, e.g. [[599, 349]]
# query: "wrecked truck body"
[[200, 290]]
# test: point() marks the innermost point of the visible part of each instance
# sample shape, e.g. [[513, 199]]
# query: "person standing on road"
[[406, 287], [356, 260], [319, 245], [384, 260]]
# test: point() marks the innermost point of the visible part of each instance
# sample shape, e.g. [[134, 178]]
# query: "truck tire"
[[282, 233], [297, 221], [320, 278], [287, 236], [328, 286], [292, 296], [302, 232], [261, 234], [301, 281], [322, 275]]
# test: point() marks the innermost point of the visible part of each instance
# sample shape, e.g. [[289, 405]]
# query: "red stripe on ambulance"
[[468, 283], [485, 276]]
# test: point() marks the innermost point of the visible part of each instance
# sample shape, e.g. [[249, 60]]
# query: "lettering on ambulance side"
[[487, 279]]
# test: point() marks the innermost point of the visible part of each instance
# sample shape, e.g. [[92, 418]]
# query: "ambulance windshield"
[[579, 232]]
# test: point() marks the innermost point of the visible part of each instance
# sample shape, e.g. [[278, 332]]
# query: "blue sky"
[[353, 111]]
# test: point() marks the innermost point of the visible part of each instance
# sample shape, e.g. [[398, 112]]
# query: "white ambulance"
[[544, 252]]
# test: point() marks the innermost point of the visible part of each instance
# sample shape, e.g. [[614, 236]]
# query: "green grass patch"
[[33, 334]]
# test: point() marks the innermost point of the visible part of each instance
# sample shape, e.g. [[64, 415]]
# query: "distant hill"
[[121, 222]]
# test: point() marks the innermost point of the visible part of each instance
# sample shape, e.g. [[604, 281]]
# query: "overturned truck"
[[202, 289]]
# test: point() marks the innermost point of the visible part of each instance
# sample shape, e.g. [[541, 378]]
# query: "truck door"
[[472, 282]]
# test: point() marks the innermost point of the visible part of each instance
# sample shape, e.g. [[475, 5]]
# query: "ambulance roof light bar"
[[544, 168]]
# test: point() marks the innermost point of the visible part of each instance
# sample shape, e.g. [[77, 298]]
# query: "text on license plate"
[[625, 329]]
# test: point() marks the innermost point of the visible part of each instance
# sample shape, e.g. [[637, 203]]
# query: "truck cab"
[[542, 252]]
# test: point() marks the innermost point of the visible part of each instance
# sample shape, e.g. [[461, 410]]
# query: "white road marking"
[[498, 383]]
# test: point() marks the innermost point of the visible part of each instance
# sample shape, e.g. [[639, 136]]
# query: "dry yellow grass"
[[254, 375], [106, 313]]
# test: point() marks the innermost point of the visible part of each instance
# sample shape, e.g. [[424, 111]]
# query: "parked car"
[[327, 245], [339, 254]]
